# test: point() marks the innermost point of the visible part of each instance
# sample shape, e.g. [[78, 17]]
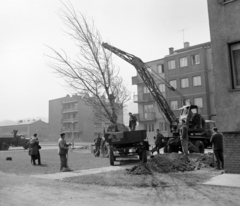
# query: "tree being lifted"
[[92, 74]]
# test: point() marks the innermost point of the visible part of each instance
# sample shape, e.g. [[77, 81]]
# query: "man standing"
[[184, 137], [34, 149], [159, 141], [132, 121], [63, 151], [97, 142], [217, 144]]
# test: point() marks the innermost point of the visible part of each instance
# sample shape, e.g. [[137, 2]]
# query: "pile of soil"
[[173, 162]]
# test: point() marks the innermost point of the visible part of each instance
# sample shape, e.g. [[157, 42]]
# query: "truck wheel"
[[5, 146], [165, 149], [171, 149], [199, 144], [111, 157], [104, 149], [144, 156]]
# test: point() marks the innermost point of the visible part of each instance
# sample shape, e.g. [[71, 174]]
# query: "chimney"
[[186, 44], [171, 50]]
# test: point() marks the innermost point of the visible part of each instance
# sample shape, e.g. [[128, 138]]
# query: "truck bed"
[[118, 138]]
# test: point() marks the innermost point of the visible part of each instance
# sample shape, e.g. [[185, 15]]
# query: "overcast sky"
[[145, 28]]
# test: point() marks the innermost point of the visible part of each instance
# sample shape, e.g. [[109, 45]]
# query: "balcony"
[[143, 98], [69, 120], [69, 110], [148, 116], [136, 80]]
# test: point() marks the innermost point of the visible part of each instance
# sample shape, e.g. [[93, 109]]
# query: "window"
[[197, 81], [149, 127], [198, 102], [162, 126], [183, 62], [184, 83], [195, 59], [162, 88], [173, 83], [171, 64], [174, 105], [145, 90], [160, 69], [235, 64], [148, 111]]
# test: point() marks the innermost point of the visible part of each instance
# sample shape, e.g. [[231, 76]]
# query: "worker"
[[184, 137], [158, 141], [217, 144], [97, 142], [132, 121], [63, 151], [34, 149]]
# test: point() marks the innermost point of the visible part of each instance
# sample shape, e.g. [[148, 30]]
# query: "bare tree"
[[92, 73]]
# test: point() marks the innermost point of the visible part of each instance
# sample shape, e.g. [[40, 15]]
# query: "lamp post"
[[72, 129]]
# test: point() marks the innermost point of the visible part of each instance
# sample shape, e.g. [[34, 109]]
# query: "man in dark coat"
[[34, 150], [132, 121], [63, 151], [217, 144], [158, 141]]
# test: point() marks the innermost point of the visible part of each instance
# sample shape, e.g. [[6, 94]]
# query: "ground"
[[20, 186]]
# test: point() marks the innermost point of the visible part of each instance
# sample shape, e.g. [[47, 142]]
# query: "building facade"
[[26, 129], [189, 71], [71, 115], [224, 18]]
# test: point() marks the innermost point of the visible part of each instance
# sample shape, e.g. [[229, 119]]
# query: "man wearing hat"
[[184, 137], [63, 151], [217, 144]]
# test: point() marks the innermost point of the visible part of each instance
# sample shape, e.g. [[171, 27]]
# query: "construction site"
[[181, 148]]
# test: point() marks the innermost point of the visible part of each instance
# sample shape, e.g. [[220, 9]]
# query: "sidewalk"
[[228, 180]]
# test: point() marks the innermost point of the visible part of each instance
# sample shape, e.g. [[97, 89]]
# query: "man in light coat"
[[184, 137], [63, 151]]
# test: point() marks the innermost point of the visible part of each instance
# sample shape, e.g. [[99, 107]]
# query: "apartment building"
[[224, 16], [189, 71], [71, 115]]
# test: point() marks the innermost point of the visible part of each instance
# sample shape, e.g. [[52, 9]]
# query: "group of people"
[[63, 148], [216, 140]]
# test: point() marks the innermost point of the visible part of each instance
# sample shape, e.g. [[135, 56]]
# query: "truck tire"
[[4, 146], [165, 149], [171, 149], [199, 144], [104, 149], [111, 157], [144, 156]]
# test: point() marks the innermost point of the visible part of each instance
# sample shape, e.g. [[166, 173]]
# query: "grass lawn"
[[20, 163]]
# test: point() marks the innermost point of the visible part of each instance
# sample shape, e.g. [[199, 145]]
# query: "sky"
[[143, 28]]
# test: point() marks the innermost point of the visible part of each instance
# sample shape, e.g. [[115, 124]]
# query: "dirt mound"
[[173, 162]]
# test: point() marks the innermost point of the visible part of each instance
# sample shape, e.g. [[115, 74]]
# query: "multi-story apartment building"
[[72, 116], [224, 19], [189, 71]]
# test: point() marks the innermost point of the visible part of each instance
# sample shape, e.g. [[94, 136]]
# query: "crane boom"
[[147, 78]]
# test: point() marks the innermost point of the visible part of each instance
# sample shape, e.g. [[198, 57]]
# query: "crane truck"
[[199, 130]]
